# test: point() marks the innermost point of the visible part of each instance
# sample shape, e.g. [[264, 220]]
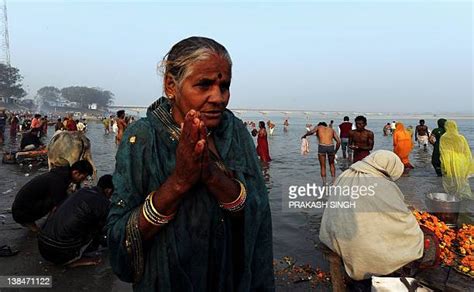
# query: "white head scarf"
[[379, 235]]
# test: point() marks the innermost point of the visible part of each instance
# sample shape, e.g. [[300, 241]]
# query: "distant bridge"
[[139, 108], [308, 113]]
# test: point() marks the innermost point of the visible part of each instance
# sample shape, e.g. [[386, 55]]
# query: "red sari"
[[262, 146]]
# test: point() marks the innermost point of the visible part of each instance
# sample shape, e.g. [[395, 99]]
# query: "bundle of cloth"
[[380, 234], [304, 146]]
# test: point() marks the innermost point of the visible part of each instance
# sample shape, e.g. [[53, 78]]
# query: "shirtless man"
[[326, 135], [361, 141], [121, 125], [421, 134]]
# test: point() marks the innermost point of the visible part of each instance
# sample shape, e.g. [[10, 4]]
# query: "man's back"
[[79, 217], [325, 135], [38, 197], [29, 139], [345, 128]]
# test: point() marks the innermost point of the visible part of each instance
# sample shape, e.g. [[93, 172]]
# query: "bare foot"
[[85, 262]]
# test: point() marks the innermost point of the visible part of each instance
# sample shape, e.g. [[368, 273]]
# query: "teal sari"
[[197, 250]]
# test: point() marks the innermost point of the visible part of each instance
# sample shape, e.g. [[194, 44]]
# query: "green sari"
[[435, 157], [195, 251]]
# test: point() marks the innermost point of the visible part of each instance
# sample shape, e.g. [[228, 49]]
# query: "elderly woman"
[[190, 211], [379, 234], [456, 161]]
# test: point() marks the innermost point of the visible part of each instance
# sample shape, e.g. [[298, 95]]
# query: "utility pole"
[[4, 41]]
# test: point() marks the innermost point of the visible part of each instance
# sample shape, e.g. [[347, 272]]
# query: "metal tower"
[[4, 42]]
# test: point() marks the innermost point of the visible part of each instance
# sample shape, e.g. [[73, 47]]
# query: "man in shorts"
[[326, 137]]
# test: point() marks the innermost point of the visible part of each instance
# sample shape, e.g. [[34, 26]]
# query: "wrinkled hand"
[[189, 152]]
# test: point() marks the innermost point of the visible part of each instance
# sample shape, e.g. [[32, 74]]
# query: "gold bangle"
[[148, 219], [158, 214]]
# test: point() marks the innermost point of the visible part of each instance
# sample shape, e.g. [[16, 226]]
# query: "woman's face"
[[205, 89]]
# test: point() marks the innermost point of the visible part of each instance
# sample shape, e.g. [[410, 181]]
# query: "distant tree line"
[[81, 95], [11, 87]]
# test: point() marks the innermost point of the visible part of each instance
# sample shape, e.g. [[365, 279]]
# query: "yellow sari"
[[456, 162]]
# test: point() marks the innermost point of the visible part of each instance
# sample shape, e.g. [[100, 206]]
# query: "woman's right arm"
[[128, 229]]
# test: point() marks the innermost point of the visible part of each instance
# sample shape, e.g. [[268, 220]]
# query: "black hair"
[[261, 124], [59, 119], [322, 124], [361, 118], [422, 121], [105, 182], [346, 118], [83, 166], [37, 116], [120, 113]]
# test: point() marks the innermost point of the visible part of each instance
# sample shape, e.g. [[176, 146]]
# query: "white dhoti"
[[423, 140]]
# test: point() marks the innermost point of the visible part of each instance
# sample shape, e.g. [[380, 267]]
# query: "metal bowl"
[[444, 206]]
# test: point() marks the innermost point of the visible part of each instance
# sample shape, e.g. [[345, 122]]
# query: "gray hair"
[[177, 61]]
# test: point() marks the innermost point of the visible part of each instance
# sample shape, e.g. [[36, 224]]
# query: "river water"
[[295, 233]]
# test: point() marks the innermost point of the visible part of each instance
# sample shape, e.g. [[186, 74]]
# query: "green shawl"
[[194, 251]]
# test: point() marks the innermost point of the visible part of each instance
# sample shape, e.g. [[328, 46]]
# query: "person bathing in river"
[[434, 139], [326, 137], [344, 128], [387, 129], [421, 134], [402, 145], [262, 143], [361, 140], [121, 126]]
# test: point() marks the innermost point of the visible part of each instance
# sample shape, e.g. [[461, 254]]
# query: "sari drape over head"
[[402, 143], [193, 252], [456, 161], [435, 157], [380, 234]]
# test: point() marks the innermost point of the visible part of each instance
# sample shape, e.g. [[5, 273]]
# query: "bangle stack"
[[152, 215], [237, 204]]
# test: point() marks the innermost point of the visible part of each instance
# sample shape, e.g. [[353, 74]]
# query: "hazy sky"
[[361, 56]]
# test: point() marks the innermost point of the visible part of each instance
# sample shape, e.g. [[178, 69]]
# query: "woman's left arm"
[[222, 187]]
